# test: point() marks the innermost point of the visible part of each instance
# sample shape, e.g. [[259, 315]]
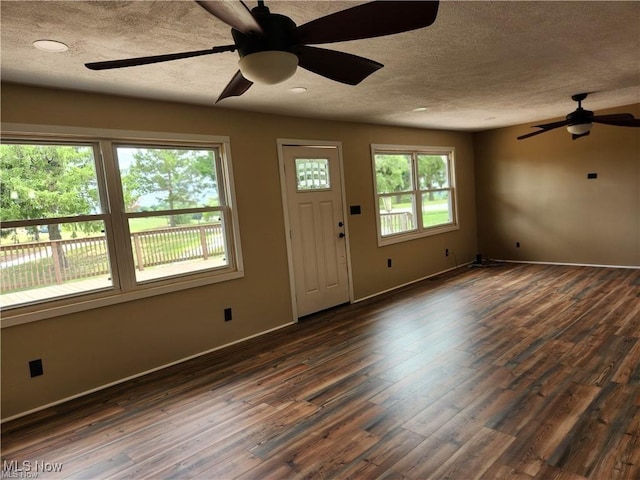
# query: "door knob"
[[341, 235], [340, 224]]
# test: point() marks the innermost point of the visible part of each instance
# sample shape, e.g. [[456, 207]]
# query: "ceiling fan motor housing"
[[580, 116], [277, 34]]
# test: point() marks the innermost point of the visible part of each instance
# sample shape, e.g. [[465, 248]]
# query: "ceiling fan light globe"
[[270, 67], [579, 128]]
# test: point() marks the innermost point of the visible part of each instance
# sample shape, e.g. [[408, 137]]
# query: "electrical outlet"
[[389, 262], [228, 315], [35, 368]]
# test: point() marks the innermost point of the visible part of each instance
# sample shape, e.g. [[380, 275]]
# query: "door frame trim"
[[289, 142]]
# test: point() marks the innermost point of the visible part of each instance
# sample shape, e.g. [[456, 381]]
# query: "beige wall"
[[536, 192], [89, 349]]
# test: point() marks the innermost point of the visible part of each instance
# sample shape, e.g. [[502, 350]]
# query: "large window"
[[175, 212], [110, 218], [415, 191]]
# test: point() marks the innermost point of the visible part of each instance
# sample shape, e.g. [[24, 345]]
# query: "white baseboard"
[[633, 267]]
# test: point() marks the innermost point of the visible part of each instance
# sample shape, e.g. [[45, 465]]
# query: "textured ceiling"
[[481, 65]]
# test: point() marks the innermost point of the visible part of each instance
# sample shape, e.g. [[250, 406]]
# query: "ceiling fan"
[[271, 46], [580, 121]]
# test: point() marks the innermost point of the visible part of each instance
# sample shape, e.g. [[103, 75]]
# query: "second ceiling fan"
[[579, 121], [271, 46]]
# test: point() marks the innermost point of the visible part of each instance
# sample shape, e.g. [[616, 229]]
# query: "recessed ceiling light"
[[50, 46], [420, 109], [298, 90]]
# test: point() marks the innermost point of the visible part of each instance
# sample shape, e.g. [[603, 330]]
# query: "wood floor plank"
[[620, 461], [537, 441], [497, 471], [321, 458], [222, 457], [424, 460], [601, 426], [378, 459], [515, 372], [629, 368], [475, 415], [549, 472], [476, 455], [609, 356]]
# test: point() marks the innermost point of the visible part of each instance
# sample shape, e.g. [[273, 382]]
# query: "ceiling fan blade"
[[373, 19], [574, 136], [232, 12], [545, 128], [532, 134], [617, 119], [615, 116], [132, 62], [339, 66], [236, 87], [552, 125]]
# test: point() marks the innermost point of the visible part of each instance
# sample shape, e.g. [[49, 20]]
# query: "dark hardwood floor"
[[517, 371]]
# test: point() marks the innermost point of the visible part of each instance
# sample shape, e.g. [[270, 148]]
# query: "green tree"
[[432, 172], [44, 181], [130, 191], [47, 181], [175, 179], [205, 165], [393, 174]]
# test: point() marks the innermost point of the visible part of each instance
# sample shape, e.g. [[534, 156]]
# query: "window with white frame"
[[106, 217], [415, 191]]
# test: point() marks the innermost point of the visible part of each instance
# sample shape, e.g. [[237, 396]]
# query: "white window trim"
[[425, 232], [87, 301]]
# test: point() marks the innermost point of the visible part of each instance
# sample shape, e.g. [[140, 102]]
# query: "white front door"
[[317, 230]]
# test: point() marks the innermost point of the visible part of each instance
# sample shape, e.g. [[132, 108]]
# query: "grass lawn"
[[430, 219], [437, 212], [136, 225], [147, 223]]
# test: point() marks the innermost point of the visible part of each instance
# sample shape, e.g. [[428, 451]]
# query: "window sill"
[[405, 237]]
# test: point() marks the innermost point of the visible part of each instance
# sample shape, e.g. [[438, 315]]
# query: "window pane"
[[47, 181], [175, 180], [393, 173], [432, 172], [312, 174], [42, 181], [397, 214], [176, 244], [436, 208], [168, 178], [46, 261]]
